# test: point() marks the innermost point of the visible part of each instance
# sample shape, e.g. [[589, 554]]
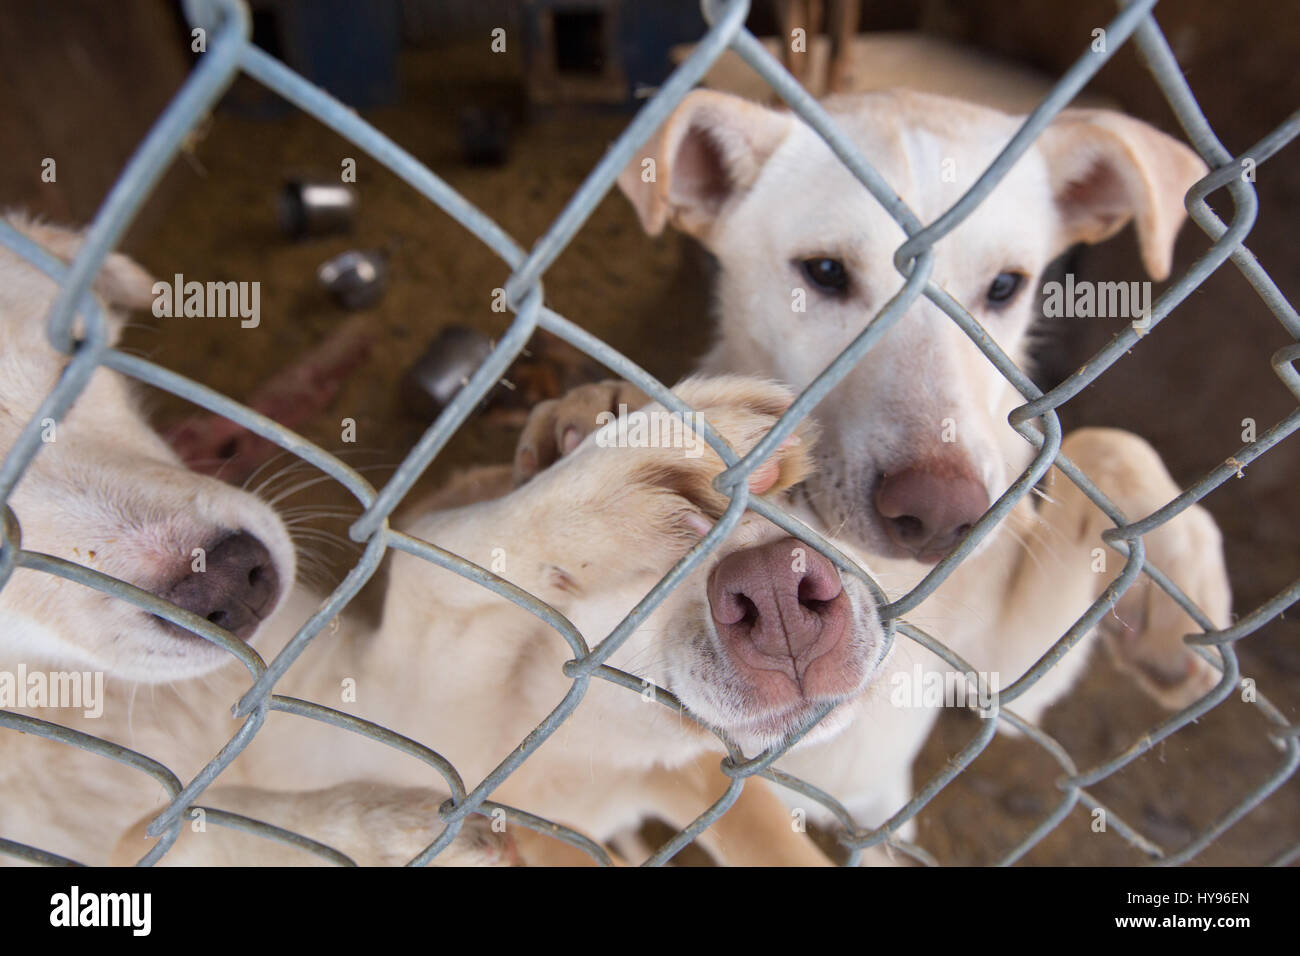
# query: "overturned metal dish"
[[444, 368], [355, 279]]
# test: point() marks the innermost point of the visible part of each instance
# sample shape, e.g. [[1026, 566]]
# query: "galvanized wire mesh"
[[230, 52]]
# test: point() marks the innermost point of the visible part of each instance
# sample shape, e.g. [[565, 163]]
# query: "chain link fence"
[[230, 52]]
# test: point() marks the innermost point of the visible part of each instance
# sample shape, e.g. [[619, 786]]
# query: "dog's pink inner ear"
[[701, 177], [1097, 202]]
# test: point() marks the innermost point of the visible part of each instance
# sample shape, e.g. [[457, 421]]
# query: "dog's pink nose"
[[778, 607], [237, 587], [928, 511]]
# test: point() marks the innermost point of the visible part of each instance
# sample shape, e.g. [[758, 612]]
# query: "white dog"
[[755, 640], [915, 441], [106, 492]]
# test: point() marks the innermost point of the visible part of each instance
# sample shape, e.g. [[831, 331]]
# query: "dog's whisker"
[[297, 488], [296, 466], [264, 465], [310, 517]]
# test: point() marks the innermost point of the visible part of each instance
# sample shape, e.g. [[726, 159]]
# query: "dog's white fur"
[[763, 192], [452, 665]]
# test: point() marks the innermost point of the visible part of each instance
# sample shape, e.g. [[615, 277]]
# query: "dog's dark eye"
[[1006, 285], [828, 275]]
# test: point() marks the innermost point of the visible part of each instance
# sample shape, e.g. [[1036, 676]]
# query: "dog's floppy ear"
[[707, 152], [1107, 168]]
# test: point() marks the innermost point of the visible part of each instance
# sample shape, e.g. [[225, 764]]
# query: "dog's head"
[[106, 492], [764, 631], [916, 441]]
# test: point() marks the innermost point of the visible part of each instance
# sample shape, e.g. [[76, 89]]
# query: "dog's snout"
[[927, 511], [778, 606], [235, 585]]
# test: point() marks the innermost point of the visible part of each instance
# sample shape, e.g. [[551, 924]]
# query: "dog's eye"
[[1006, 285], [828, 275]]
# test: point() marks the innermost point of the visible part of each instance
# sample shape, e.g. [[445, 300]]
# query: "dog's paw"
[[481, 842], [1145, 630], [557, 426]]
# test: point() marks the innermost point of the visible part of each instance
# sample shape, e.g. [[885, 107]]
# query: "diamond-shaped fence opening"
[[230, 52]]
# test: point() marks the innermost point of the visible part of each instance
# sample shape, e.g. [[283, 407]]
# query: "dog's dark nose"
[[927, 511], [237, 587], [778, 606]]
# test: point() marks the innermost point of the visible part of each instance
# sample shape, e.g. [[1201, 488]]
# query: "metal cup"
[[316, 208]]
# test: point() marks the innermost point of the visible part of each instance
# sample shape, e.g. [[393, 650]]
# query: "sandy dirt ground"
[[1185, 388]]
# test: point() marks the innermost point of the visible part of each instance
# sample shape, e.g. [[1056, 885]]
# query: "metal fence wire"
[[230, 52]]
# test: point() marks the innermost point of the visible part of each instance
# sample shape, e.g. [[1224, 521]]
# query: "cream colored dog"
[[106, 492], [753, 641], [915, 441]]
